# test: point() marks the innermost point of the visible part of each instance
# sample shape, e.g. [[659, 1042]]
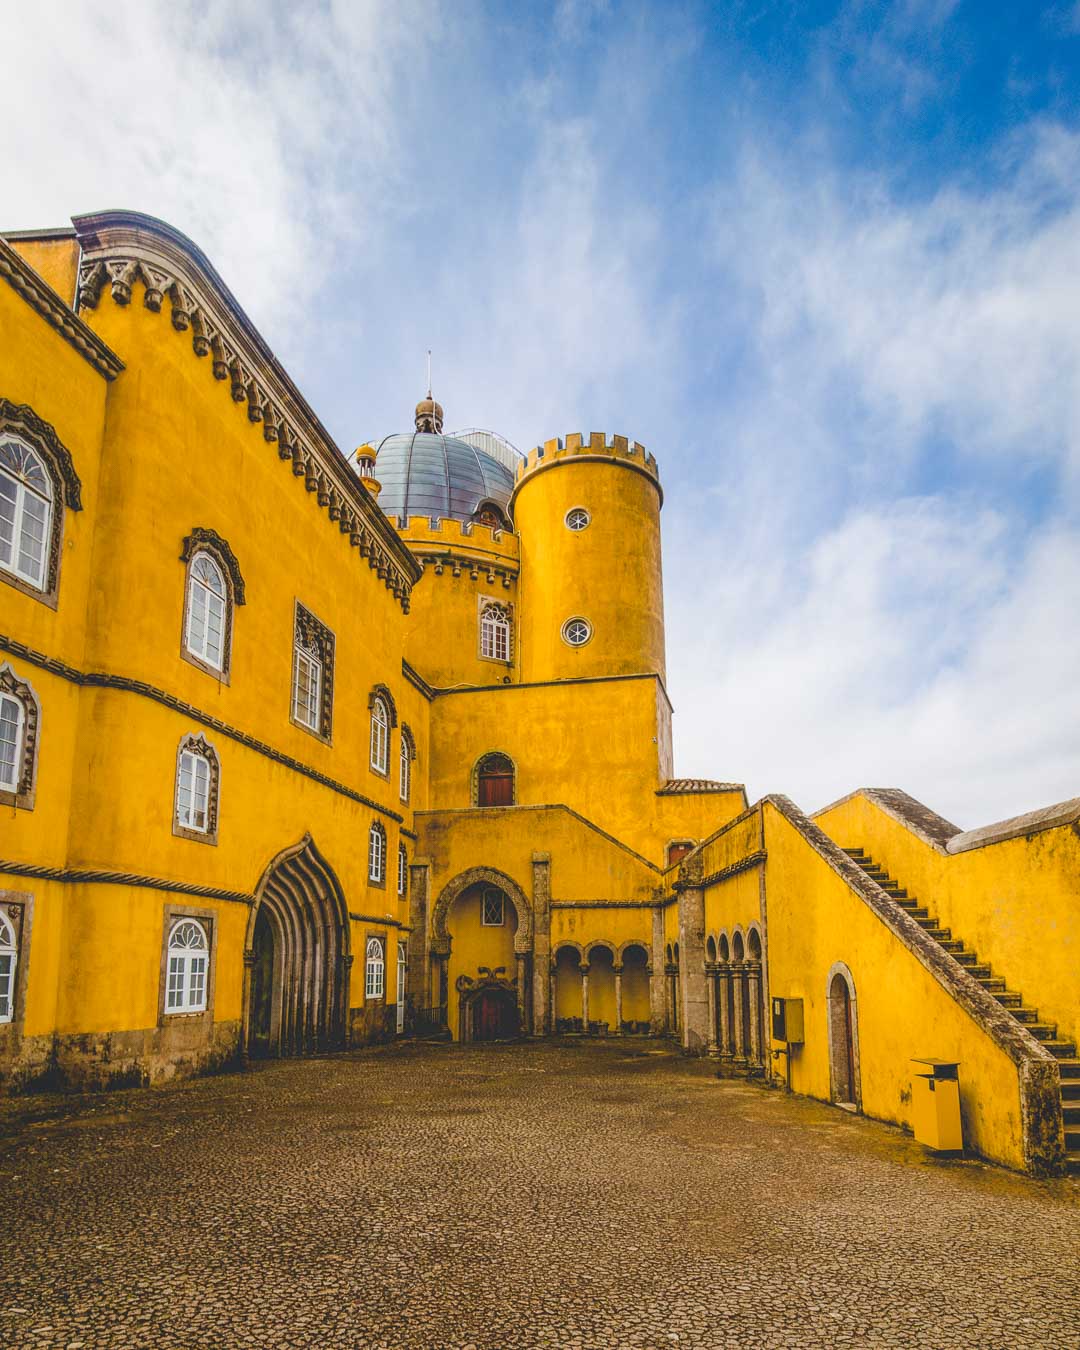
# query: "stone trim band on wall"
[[606, 904], [123, 248], [417, 681], [39, 295], [124, 683], [95, 877], [381, 920], [733, 869], [1040, 1100]]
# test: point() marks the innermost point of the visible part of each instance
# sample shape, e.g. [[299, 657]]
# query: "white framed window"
[[492, 908], [307, 687], [375, 969], [377, 853], [186, 973], [193, 792], [576, 632], [402, 870], [207, 608], [26, 507], [12, 721], [380, 736], [577, 518], [9, 955], [494, 633], [405, 768]]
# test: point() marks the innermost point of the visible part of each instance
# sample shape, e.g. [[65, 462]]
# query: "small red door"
[[495, 786]]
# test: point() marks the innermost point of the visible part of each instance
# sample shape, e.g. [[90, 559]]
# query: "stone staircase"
[[1045, 1032]]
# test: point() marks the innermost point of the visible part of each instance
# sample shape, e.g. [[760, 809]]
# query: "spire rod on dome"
[[429, 414], [429, 372]]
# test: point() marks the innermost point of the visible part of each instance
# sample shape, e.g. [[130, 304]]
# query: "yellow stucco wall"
[[1015, 902], [56, 261]]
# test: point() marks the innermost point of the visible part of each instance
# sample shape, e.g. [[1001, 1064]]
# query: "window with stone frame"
[[37, 482], [188, 967], [214, 587], [20, 715], [406, 755], [493, 780], [402, 870], [9, 959], [377, 854], [198, 784], [492, 907], [312, 674], [495, 631], [380, 736], [375, 969]]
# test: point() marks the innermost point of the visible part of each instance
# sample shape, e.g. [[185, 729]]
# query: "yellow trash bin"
[[935, 1104]]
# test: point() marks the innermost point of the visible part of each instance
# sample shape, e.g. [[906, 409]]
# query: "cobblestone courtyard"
[[549, 1195]]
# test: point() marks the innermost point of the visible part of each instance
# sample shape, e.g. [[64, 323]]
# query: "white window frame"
[[402, 870], [487, 897], [405, 770], [571, 625], [195, 764], [374, 969], [22, 493], [380, 735], [9, 968], [12, 784], [215, 603], [577, 519], [308, 713], [187, 967], [377, 853], [494, 633]]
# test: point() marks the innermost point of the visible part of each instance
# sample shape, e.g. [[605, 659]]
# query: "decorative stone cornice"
[[121, 249], [440, 561], [22, 278]]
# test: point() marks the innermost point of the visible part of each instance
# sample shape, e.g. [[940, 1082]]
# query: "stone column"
[[712, 1047], [738, 977], [543, 990], [753, 981], [522, 959], [618, 998], [694, 1004], [658, 1017], [723, 991], [418, 972], [440, 993], [585, 997], [551, 979]]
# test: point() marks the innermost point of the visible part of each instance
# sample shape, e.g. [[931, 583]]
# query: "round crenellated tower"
[[588, 516]]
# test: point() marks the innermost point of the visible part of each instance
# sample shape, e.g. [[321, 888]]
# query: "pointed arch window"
[[494, 632], [380, 736], [405, 758], [188, 959], [377, 854], [494, 781], [402, 870], [19, 718], [375, 969], [214, 587], [198, 781], [9, 956]]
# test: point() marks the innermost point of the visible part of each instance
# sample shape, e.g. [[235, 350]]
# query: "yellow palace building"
[[301, 751]]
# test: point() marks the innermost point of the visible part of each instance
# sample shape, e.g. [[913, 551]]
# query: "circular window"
[[577, 632], [577, 518]]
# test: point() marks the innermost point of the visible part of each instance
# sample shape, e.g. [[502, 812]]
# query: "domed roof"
[[425, 473]]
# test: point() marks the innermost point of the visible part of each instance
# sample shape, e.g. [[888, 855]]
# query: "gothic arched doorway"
[[296, 958]]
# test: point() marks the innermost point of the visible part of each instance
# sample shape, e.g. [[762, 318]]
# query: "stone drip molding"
[[440, 562], [121, 249]]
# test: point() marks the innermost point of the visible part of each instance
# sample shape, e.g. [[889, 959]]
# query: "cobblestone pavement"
[[548, 1195]]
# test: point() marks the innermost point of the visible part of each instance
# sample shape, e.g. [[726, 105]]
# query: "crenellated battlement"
[[459, 535], [595, 445]]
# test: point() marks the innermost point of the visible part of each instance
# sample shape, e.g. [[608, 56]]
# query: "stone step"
[[853, 852], [1069, 1067], [1070, 1112], [1029, 1016], [1008, 998], [1070, 1090], [969, 959], [1072, 1164], [980, 970], [1045, 1032], [1072, 1140], [1060, 1049]]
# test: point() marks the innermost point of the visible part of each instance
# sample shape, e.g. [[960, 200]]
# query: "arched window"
[[26, 512], [207, 608], [198, 775], [375, 969], [380, 736], [402, 870], [405, 759], [377, 853], [9, 955], [494, 781], [188, 957], [19, 718], [495, 632]]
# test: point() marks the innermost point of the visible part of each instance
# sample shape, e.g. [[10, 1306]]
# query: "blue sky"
[[822, 259]]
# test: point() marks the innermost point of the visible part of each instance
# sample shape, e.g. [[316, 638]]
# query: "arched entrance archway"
[[843, 1038], [296, 957]]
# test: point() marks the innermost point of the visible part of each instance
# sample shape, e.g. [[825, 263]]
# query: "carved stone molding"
[[381, 691], [439, 561], [23, 693], [203, 538], [123, 250], [440, 935], [313, 636]]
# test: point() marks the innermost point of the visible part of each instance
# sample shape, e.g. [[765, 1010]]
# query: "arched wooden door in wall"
[[495, 781], [845, 1086]]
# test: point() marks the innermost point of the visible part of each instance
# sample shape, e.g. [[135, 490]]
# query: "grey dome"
[[426, 474]]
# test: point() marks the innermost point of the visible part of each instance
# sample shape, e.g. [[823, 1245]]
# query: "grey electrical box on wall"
[[787, 1020]]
